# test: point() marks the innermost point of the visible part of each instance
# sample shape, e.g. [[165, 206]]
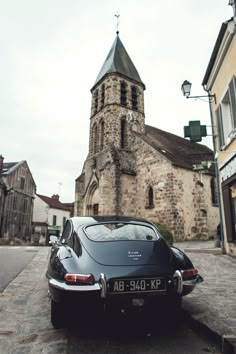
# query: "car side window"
[[66, 232]]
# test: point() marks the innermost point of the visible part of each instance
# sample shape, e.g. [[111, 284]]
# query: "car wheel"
[[57, 314]]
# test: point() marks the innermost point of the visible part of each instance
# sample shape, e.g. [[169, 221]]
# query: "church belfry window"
[[123, 93], [102, 95], [134, 97], [123, 132], [150, 201], [95, 101]]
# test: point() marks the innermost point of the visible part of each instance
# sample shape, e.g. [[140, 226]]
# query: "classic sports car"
[[116, 262]]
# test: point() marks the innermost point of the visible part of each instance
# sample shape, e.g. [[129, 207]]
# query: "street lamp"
[[186, 89]]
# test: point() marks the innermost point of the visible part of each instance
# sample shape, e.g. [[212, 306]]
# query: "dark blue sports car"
[[115, 262]]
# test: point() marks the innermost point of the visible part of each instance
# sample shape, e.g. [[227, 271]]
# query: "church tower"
[[117, 110], [117, 102]]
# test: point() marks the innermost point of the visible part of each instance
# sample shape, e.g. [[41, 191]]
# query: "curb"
[[227, 342], [203, 250]]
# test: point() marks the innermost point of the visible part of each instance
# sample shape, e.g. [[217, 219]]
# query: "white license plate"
[[137, 285]]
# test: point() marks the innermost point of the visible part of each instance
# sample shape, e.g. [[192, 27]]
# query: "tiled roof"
[[181, 152], [118, 61], [8, 167], [53, 203]]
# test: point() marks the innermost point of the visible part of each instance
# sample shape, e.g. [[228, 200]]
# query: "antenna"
[[59, 187], [117, 15]]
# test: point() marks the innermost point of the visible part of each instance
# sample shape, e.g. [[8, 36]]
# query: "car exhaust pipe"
[[103, 282]]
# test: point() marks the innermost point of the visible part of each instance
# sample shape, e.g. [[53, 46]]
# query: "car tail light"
[[189, 273], [80, 279]]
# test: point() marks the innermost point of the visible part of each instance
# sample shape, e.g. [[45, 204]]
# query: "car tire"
[[57, 314]]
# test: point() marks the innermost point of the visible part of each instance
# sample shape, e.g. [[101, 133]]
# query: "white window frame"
[[226, 116]]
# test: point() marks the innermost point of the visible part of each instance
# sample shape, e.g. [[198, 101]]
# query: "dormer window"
[[123, 93], [102, 95], [95, 101], [134, 98]]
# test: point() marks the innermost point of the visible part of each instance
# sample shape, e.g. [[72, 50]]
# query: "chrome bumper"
[[189, 285]]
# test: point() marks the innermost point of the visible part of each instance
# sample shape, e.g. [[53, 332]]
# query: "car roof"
[[88, 220]]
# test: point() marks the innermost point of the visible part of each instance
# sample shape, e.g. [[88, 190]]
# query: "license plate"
[[118, 286]]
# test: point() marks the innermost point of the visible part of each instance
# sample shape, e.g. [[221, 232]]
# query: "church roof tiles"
[[181, 152]]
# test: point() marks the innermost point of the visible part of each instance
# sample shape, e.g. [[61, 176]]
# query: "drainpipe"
[[216, 171]]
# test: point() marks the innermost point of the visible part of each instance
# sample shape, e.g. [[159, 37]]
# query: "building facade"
[[138, 170], [17, 199], [49, 216], [220, 80]]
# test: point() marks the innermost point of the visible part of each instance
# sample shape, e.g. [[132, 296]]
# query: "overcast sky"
[[52, 51]]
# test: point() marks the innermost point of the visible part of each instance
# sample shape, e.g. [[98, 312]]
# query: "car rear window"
[[120, 231]]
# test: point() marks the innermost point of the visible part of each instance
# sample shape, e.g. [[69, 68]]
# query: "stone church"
[[138, 170]]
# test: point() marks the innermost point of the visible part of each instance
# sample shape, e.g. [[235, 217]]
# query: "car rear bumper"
[[189, 285]]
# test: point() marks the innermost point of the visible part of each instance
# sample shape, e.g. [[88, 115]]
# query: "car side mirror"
[[53, 240]]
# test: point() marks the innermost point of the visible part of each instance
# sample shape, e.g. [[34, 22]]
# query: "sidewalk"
[[25, 326], [212, 305], [25, 310]]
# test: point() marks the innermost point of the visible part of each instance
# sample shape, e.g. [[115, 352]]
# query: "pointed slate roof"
[[118, 61], [181, 152]]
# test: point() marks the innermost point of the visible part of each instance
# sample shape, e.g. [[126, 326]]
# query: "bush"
[[165, 233]]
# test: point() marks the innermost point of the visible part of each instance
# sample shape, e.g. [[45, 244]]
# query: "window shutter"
[[220, 126], [232, 95]]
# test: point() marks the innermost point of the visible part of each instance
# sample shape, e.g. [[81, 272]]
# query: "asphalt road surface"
[[13, 259], [138, 335]]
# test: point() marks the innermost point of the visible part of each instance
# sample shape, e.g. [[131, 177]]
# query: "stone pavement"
[[212, 305], [25, 310]]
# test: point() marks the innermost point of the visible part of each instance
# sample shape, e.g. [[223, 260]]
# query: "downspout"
[[210, 96]]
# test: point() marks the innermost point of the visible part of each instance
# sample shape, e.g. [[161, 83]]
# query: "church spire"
[[118, 61]]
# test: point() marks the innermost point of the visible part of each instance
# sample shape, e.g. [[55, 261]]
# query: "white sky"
[[52, 51]]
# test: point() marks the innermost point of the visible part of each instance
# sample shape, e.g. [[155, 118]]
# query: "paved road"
[[13, 259], [25, 325], [137, 335]]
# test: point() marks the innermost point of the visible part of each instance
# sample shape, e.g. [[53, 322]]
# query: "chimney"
[[1, 164], [55, 196]]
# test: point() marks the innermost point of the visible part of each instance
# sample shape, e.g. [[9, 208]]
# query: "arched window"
[[134, 97], [123, 93], [101, 135], [95, 139], [150, 198], [123, 132], [214, 194]]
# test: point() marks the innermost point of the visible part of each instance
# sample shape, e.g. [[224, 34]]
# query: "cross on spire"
[[117, 15]]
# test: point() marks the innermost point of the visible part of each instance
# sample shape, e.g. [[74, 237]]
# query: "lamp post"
[[186, 90]]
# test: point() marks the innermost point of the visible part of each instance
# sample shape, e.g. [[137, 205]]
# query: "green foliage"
[[165, 233]]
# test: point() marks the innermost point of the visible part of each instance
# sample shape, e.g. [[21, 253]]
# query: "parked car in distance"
[[115, 262]]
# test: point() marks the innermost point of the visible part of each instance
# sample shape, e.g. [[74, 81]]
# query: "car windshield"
[[120, 231]]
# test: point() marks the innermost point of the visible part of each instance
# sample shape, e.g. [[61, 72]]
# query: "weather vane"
[[117, 22]]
